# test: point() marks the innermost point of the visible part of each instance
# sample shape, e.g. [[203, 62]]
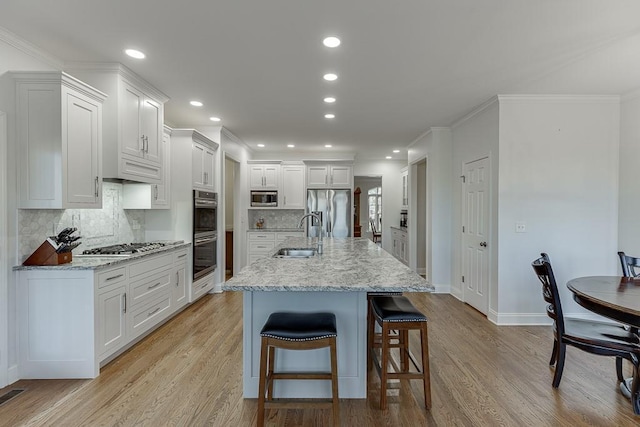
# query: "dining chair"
[[629, 265], [375, 234], [593, 337]]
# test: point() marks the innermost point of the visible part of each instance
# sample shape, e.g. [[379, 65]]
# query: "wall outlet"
[[521, 227]]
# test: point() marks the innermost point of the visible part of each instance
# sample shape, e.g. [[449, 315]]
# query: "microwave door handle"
[[206, 240]]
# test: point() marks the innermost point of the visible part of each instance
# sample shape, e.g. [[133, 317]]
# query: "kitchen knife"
[[65, 233]]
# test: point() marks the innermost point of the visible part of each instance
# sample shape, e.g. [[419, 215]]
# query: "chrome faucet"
[[319, 218]]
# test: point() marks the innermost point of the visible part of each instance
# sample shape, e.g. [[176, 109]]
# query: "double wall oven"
[[205, 233]]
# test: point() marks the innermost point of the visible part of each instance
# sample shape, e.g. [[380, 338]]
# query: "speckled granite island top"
[[348, 264], [80, 262]]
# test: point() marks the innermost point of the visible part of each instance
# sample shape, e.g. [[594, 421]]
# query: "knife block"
[[46, 255]]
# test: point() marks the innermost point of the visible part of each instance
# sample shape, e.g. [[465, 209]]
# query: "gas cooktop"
[[125, 249]]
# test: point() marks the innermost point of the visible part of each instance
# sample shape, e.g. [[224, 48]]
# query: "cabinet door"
[[293, 196], [132, 101], [197, 160], [179, 288], [208, 168], [161, 193], [340, 176], [317, 176], [151, 124], [271, 177], [256, 177], [112, 306], [81, 145]]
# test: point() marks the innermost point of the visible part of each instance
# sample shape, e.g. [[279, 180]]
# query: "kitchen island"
[[336, 281]]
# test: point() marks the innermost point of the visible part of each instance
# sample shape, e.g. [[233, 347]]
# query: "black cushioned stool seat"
[[399, 314], [297, 331]]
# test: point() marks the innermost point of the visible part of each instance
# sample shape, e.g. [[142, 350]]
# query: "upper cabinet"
[[59, 140], [405, 187], [293, 189], [338, 175], [133, 121], [203, 155], [264, 176]]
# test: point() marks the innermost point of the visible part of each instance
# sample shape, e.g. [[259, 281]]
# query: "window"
[[374, 202]]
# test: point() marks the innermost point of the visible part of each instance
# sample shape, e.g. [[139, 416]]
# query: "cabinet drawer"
[[282, 236], [261, 247], [180, 256], [149, 288], [143, 318], [111, 277], [150, 265], [200, 288], [262, 236], [139, 171]]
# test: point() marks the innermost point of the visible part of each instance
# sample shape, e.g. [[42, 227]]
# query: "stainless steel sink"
[[295, 253]]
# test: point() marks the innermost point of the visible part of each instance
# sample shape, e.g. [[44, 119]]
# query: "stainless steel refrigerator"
[[334, 207]]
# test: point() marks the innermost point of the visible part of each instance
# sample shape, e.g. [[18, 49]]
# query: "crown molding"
[[118, 69], [474, 112], [196, 136], [230, 135], [557, 98], [58, 77], [27, 48]]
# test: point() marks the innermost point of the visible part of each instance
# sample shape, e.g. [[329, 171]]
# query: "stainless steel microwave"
[[264, 198]]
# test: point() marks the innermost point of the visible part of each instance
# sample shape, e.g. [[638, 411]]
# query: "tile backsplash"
[[98, 227], [276, 218]]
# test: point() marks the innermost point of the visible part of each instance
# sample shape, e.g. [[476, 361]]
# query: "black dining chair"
[[629, 265], [596, 338]]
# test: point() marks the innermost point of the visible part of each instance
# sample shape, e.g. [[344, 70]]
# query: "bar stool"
[[297, 331], [376, 335], [397, 313]]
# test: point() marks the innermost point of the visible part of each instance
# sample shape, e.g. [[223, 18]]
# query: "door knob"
[[483, 244]]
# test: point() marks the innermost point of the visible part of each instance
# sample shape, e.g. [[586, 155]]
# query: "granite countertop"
[[274, 230], [347, 264], [80, 262]]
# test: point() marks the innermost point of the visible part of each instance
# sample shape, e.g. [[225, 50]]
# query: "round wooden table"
[[617, 298]]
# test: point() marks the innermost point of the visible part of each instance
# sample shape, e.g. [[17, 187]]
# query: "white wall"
[[16, 56], [436, 147], [475, 136], [389, 170], [558, 173], [629, 203]]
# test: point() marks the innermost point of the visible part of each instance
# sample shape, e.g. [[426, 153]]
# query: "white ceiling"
[[404, 66]]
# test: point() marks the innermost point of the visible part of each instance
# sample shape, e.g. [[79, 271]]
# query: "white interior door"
[[475, 234]]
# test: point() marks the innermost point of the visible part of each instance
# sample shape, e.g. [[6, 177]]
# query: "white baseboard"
[[13, 374]]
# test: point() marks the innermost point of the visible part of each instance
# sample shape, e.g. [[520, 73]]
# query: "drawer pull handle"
[[204, 286], [124, 297], [182, 256], [154, 286], [151, 313], [113, 277]]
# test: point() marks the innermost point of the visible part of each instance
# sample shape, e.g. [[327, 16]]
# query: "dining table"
[[617, 298]]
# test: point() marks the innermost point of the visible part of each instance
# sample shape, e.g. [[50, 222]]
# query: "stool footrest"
[[297, 403], [300, 376]]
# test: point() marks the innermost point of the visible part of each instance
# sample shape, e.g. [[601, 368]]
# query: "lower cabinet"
[[261, 244], [400, 246], [71, 321]]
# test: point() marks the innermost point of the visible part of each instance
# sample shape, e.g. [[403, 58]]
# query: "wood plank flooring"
[[189, 373]]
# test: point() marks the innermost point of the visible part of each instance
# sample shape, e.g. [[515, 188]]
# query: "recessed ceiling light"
[[290, 145], [328, 146], [388, 157], [196, 103], [396, 151], [330, 77], [214, 119], [329, 100], [260, 145], [134, 53], [331, 41], [329, 116]]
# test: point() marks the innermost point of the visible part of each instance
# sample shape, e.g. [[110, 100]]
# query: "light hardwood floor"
[[189, 373]]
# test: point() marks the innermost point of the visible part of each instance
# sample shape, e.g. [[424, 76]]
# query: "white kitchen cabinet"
[[264, 176], [201, 287], [405, 187], [133, 120], [152, 196], [293, 187], [281, 236], [179, 294], [400, 246], [259, 244], [202, 158], [59, 140], [75, 320], [329, 175]]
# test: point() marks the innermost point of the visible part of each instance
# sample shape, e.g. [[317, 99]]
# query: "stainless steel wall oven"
[[205, 233]]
